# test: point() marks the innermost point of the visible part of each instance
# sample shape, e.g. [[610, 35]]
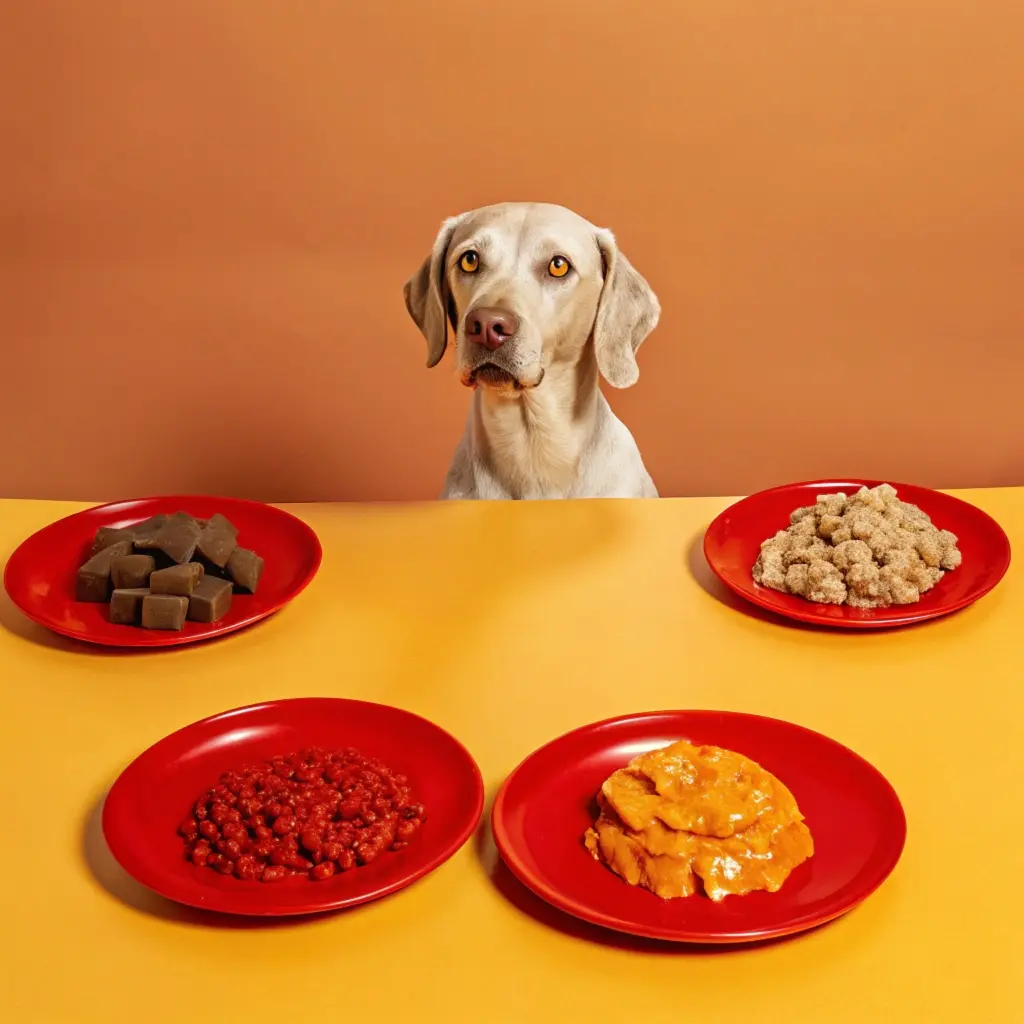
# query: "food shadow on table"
[[697, 565], [529, 903], [109, 875], [22, 627]]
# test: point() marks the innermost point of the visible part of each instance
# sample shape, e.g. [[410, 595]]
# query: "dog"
[[541, 302]]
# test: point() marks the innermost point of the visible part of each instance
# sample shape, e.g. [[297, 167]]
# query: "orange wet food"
[[684, 818]]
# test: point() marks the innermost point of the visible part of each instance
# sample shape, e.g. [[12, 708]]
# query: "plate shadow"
[[697, 566], [17, 624], [109, 875], [530, 904]]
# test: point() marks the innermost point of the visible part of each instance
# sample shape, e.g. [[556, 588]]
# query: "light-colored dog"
[[541, 302]]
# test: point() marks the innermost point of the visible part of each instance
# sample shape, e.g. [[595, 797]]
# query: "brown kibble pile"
[[868, 550]]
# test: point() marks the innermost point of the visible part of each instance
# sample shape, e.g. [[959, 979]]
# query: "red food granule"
[[313, 813]]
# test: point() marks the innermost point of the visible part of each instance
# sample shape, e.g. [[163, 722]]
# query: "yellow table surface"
[[508, 624]]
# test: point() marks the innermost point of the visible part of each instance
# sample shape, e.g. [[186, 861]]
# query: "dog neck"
[[532, 442]]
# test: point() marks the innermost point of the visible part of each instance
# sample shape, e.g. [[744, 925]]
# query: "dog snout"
[[491, 327]]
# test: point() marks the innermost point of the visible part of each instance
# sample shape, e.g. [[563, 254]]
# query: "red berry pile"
[[313, 813]]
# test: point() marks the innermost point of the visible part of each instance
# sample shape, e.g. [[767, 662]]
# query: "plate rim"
[[165, 639], [595, 917], [130, 865], [870, 618]]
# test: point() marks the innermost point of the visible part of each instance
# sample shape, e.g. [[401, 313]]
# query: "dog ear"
[[626, 313], [427, 297]]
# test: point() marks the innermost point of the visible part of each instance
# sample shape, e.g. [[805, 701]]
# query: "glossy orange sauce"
[[684, 818]]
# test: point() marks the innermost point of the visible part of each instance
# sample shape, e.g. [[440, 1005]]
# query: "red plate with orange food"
[[733, 541], [40, 575], [545, 808], [293, 807]]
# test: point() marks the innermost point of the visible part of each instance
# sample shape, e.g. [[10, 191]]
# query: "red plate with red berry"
[[293, 807]]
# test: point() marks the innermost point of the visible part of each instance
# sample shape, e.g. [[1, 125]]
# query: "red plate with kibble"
[[293, 807], [733, 540]]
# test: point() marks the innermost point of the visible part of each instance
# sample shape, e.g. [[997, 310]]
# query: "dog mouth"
[[493, 376], [499, 379]]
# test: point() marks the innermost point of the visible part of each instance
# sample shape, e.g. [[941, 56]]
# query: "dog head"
[[525, 286]]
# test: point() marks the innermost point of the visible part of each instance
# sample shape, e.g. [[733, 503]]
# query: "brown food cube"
[[222, 523], [148, 527], [245, 568], [164, 611], [176, 538], [93, 582], [178, 579], [210, 600], [217, 540], [107, 535], [131, 571], [126, 606]]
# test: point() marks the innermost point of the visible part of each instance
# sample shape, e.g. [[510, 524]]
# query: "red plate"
[[733, 541], [40, 575], [547, 803], [154, 793]]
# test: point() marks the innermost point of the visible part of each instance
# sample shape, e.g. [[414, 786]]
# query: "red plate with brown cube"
[[158, 572]]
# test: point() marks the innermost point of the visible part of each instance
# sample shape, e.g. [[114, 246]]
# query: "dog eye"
[[558, 267], [469, 262]]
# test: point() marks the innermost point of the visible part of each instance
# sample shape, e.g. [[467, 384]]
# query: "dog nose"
[[491, 327]]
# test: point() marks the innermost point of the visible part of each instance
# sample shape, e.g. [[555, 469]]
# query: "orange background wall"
[[208, 209]]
